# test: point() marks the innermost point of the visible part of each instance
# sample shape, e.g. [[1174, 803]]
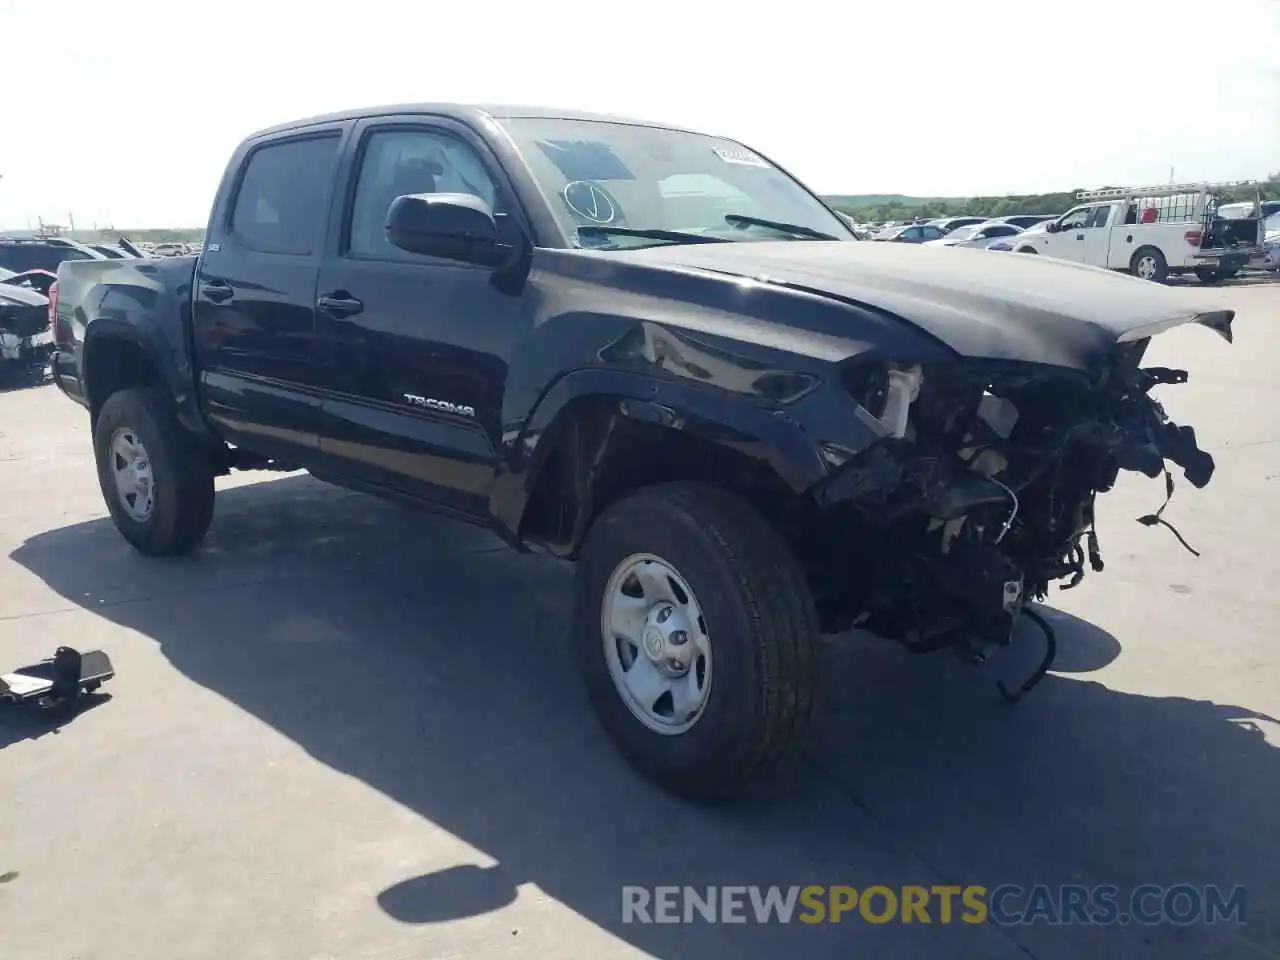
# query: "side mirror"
[[454, 226], [1052, 227]]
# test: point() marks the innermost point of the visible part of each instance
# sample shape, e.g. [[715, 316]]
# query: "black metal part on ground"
[[59, 681]]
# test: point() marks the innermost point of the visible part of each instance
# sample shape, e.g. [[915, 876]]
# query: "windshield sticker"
[[590, 201], [585, 160], [744, 158]]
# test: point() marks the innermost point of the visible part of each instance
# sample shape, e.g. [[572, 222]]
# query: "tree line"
[[882, 207]]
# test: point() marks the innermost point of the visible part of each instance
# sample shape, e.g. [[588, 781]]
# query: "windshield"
[[628, 177], [963, 233], [1272, 223]]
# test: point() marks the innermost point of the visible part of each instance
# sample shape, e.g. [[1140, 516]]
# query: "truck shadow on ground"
[[427, 660], [20, 722]]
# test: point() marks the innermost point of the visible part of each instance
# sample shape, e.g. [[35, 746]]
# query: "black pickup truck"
[[650, 351]]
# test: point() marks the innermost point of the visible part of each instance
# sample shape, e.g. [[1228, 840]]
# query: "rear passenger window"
[[281, 205]]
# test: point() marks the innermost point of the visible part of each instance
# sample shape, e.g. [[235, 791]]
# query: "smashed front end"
[[979, 493]]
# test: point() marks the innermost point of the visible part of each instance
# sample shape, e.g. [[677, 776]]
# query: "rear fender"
[[106, 331], [154, 314]]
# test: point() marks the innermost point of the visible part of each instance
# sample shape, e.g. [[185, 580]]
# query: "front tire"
[[696, 636], [156, 479]]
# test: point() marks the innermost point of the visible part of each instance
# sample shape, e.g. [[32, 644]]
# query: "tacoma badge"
[[443, 405]]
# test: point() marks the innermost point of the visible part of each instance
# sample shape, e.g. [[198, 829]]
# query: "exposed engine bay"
[[980, 494]]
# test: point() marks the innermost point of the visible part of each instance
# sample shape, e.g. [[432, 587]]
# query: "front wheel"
[[156, 478], [696, 635]]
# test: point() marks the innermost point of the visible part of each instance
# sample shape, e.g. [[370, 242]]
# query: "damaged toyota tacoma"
[[652, 352]]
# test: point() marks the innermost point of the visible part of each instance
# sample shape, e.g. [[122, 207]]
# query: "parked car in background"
[[1024, 220], [25, 337], [117, 251], [947, 224], [21, 255], [909, 233], [38, 280], [1244, 209], [977, 235], [1270, 259], [169, 250], [1005, 244], [858, 230]]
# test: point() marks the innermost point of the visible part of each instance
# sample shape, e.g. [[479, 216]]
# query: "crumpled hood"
[[1013, 307], [23, 312], [24, 295]]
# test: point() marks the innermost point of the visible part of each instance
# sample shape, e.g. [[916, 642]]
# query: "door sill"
[[407, 499]]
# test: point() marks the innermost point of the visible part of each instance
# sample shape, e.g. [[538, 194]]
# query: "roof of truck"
[[463, 112]]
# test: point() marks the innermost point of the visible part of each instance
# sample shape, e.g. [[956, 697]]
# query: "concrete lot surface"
[[348, 730]]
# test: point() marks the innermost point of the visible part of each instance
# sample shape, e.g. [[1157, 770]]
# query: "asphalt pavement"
[[344, 729]]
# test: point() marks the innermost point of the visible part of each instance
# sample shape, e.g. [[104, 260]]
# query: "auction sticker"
[[741, 157]]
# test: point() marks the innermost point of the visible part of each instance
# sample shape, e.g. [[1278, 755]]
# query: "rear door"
[[417, 347], [254, 304]]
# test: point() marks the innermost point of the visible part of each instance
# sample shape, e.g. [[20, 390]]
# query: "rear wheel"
[[1215, 274], [696, 636], [1148, 263], [1030, 250], [156, 479]]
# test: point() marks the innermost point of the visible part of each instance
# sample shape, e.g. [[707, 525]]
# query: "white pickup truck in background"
[[1151, 232]]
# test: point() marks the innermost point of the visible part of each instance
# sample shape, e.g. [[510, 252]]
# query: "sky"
[[124, 113]]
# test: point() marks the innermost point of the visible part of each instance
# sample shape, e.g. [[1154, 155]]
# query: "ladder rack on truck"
[[1163, 190]]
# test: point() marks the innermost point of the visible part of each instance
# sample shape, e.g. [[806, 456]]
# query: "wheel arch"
[[599, 434], [117, 355]]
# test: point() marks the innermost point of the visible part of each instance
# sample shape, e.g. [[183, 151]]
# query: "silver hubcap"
[[656, 644], [1147, 267], [131, 468]]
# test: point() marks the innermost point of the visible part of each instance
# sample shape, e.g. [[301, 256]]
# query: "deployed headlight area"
[[980, 491]]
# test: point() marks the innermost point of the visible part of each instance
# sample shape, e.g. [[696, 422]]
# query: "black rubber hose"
[[1050, 653]]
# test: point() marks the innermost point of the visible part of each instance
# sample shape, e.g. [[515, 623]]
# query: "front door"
[[1097, 236], [254, 304], [416, 347], [1068, 242]]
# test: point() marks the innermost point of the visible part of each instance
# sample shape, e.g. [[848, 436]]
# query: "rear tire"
[[138, 437], [1030, 250], [1211, 275], [752, 613], [1148, 263]]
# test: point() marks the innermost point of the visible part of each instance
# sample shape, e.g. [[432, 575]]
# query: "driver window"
[[1076, 219], [1099, 217], [398, 162]]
